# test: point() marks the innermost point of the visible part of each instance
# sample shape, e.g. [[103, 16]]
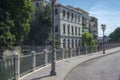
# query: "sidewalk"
[[64, 66]]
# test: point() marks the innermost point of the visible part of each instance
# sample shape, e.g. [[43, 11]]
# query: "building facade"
[[36, 3], [93, 27], [68, 26], [85, 22]]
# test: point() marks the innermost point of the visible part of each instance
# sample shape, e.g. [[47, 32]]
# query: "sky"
[[107, 12]]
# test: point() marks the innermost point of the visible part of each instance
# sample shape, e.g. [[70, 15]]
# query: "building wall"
[[69, 28], [93, 28], [36, 3]]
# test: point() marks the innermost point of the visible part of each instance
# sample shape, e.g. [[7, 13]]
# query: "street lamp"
[[53, 72], [103, 26]]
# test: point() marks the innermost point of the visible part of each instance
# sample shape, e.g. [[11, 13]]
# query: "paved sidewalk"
[[64, 66]]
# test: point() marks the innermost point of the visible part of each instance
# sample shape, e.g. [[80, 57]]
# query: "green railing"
[[49, 56], [40, 59], [25, 64], [22, 65], [59, 55], [7, 69]]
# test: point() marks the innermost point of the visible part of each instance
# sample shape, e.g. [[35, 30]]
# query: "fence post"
[[90, 49], [95, 48], [71, 52], [34, 60], [85, 49], [46, 56], [16, 65], [79, 51], [63, 53]]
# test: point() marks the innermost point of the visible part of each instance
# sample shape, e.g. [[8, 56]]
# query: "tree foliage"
[[87, 39], [41, 26], [115, 35], [15, 19]]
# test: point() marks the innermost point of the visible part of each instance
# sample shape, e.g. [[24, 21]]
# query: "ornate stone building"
[[68, 25]]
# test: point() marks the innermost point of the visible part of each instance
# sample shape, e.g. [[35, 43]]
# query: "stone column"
[[71, 52], [16, 65], [34, 60], [46, 56], [63, 53]]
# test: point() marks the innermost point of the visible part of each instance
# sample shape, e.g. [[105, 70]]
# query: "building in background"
[[36, 3], [93, 27], [85, 22], [68, 25]]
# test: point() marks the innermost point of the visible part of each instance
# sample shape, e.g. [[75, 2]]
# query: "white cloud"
[[106, 15]]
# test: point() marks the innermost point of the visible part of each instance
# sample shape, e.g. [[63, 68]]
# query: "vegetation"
[[41, 26], [15, 19], [115, 35], [87, 39]]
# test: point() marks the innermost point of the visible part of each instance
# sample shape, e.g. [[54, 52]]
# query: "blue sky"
[[107, 11]]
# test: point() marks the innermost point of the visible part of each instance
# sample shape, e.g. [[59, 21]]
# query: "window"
[[71, 16], [76, 42], [63, 13], [75, 18], [76, 30], [72, 30], [68, 43], [56, 28], [56, 11], [79, 30], [72, 43], [63, 28], [64, 43], [79, 19], [37, 5], [68, 29], [68, 14]]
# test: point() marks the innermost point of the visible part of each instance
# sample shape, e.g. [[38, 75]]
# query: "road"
[[104, 68]]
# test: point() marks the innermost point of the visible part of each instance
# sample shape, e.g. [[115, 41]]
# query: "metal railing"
[[18, 66], [7, 69]]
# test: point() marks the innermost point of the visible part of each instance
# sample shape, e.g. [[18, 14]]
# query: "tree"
[[41, 26], [115, 35], [15, 19], [87, 39], [6, 38]]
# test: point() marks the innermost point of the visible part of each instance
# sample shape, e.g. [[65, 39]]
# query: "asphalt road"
[[104, 68]]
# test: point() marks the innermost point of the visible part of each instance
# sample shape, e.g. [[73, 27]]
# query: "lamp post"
[[53, 72], [103, 26]]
